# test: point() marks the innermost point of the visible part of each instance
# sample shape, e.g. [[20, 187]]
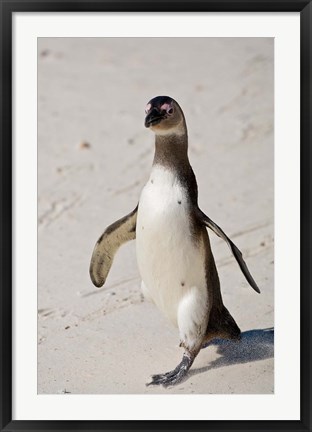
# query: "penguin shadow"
[[254, 345]]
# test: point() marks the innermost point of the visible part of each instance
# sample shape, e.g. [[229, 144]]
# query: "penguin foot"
[[175, 376], [167, 379]]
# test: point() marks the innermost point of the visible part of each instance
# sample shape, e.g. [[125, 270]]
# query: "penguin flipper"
[[234, 249], [107, 245]]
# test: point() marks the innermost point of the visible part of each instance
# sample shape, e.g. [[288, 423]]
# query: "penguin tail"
[[221, 324]]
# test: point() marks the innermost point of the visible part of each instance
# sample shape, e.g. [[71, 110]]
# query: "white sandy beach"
[[94, 157]]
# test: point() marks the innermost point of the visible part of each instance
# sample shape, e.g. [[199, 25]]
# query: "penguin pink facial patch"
[[166, 107], [148, 107]]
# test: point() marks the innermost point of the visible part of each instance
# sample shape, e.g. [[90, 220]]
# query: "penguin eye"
[[147, 108], [167, 107]]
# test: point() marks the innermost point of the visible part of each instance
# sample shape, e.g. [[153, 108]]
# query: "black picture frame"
[[7, 8]]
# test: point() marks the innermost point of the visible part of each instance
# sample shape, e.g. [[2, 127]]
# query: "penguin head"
[[163, 115]]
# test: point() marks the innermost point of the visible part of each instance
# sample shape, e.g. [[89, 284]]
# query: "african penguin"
[[173, 249]]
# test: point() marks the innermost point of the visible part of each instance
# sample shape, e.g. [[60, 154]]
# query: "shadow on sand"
[[254, 345]]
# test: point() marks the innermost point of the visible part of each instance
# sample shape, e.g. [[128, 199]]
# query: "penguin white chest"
[[171, 263]]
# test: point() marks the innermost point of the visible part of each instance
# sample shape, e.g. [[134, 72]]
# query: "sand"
[[94, 157]]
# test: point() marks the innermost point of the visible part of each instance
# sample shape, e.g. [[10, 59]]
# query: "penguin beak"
[[153, 118]]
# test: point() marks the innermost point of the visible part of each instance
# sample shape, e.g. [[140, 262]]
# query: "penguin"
[[173, 250]]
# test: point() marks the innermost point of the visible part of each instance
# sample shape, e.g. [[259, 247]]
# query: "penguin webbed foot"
[[175, 376]]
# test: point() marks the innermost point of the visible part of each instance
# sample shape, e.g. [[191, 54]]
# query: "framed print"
[[155, 221]]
